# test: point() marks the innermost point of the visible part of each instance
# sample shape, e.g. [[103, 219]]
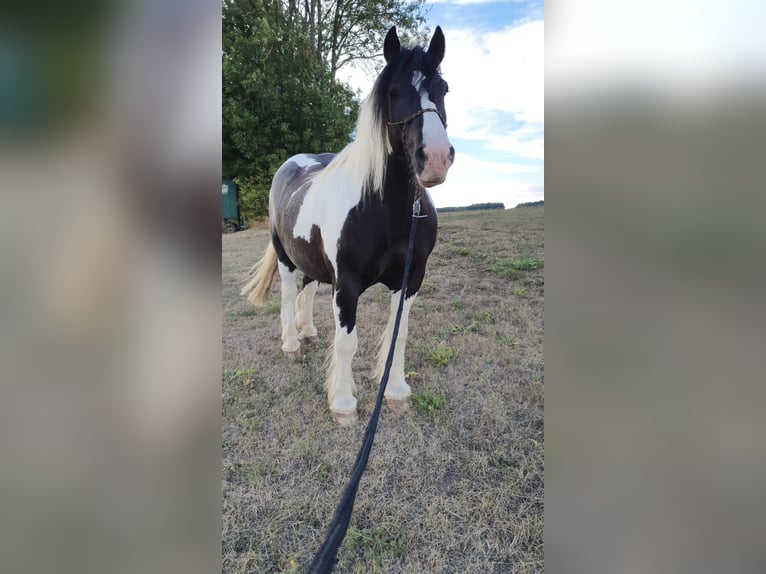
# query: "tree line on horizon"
[[472, 207], [490, 205]]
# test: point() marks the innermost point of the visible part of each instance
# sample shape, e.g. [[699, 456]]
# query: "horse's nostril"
[[420, 155], [451, 153]]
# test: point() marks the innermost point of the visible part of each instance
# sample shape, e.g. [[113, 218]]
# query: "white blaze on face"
[[435, 141], [417, 79]]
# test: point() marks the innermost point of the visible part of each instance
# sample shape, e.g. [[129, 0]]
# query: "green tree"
[[276, 100], [345, 31], [280, 95]]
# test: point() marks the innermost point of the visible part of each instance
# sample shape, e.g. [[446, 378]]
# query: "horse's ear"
[[391, 45], [436, 47]]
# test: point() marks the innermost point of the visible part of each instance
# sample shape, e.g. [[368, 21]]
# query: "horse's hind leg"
[[304, 311], [290, 343], [397, 390]]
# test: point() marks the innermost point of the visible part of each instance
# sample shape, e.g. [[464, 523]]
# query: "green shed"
[[229, 206]]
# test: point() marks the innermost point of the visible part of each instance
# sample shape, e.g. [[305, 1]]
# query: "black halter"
[[411, 117]]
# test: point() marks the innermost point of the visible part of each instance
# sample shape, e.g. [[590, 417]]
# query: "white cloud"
[[473, 164], [533, 149], [501, 71], [494, 76], [358, 78]]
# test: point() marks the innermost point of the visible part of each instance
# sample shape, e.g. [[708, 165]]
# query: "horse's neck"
[[399, 186]]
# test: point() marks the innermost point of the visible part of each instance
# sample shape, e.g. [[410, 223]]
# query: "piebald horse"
[[344, 219]]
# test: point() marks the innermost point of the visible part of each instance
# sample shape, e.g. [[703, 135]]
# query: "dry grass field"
[[456, 484]]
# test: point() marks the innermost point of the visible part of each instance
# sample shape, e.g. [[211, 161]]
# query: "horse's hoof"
[[292, 355], [345, 419], [308, 341], [399, 405]]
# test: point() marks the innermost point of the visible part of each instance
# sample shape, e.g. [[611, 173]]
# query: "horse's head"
[[411, 97]]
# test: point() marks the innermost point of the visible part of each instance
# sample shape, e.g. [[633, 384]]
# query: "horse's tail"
[[261, 277]]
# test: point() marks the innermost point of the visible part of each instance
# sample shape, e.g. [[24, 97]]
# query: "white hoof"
[[345, 419], [292, 355], [399, 405]]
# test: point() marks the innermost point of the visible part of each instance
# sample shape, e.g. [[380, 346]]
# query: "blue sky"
[[494, 66]]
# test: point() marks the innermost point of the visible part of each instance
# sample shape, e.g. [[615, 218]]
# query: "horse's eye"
[[394, 93], [439, 87]]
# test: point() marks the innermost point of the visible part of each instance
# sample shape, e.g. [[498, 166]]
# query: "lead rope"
[[326, 556]]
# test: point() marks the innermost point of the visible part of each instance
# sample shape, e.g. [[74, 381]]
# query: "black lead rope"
[[326, 556]]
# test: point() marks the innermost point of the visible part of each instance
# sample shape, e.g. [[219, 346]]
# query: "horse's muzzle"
[[437, 160]]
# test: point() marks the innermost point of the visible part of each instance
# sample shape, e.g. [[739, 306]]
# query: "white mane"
[[364, 159]]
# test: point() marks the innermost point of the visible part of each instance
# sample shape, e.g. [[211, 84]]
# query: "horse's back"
[[309, 161], [296, 174], [300, 167]]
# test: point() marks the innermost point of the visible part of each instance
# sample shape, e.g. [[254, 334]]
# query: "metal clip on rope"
[[416, 210]]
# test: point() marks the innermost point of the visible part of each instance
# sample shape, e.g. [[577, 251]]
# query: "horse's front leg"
[[397, 390], [340, 380]]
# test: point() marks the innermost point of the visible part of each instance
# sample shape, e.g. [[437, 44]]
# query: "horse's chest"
[[384, 260]]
